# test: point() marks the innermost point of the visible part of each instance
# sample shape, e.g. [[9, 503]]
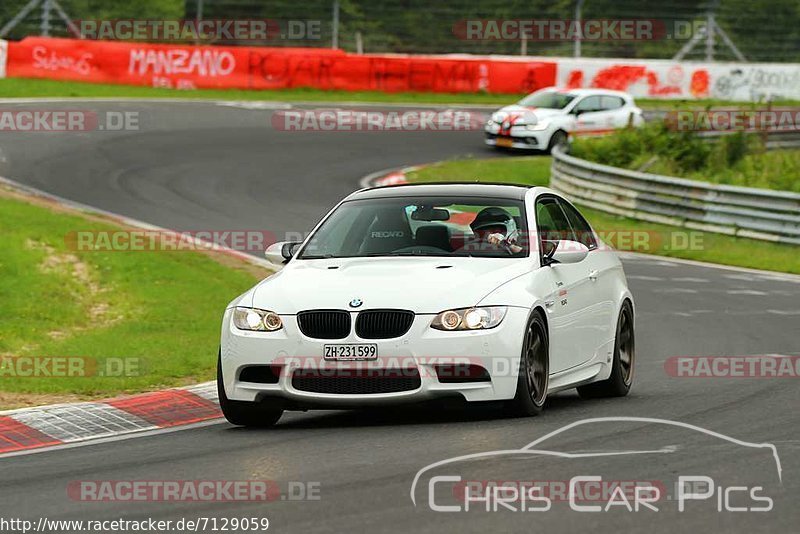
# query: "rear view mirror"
[[428, 214], [564, 251]]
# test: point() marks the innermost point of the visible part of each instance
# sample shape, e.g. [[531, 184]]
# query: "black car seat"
[[433, 235], [389, 232]]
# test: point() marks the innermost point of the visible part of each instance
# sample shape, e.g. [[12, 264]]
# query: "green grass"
[[29, 88], [22, 87], [160, 311], [657, 239]]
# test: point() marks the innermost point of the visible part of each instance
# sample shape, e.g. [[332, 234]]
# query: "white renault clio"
[[406, 293], [545, 119]]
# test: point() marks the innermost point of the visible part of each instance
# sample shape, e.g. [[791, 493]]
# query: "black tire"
[[621, 379], [255, 414], [558, 138], [534, 370]]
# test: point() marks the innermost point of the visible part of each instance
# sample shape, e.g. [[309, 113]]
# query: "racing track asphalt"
[[205, 166]]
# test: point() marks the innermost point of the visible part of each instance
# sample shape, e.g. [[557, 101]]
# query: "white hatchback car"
[[549, 116], [483, 292]]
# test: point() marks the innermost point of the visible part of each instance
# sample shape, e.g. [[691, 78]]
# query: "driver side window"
[[582, 230], [551, 223], [588, 105]]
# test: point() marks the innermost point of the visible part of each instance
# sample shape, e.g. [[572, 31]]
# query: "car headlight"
[[256, 320], [538, 126], [469, 318]]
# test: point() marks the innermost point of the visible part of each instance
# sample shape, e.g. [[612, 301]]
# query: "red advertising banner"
[[190, 67]]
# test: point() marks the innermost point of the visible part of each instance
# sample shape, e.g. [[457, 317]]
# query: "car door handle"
[[593, 275]]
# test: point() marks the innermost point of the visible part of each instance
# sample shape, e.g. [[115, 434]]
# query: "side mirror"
[[281, 252], [564, 251]]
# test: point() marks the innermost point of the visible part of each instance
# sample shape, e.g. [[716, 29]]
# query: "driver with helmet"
[[496, 227]]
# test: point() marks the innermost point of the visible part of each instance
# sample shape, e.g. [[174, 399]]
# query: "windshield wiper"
[[386, 254], [408, 254]]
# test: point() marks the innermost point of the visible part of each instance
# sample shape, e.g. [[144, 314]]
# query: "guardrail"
[[739, 211]]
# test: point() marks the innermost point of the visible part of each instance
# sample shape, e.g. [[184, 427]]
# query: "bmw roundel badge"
[[355, 303]]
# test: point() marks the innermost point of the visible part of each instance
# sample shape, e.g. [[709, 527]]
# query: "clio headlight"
[[538, 126], [469, 318], [256, 320]]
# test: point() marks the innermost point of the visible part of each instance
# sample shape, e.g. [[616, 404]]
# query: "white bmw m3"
[[408, 293]]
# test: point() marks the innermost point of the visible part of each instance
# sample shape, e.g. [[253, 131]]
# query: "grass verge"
[[30, 88], [125, 321], [651, 238]]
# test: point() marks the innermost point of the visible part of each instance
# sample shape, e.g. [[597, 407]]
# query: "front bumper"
[[517, 137], [421, 349]]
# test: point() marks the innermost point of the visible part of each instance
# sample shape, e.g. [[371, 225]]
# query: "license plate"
[[358, 351], [505, 141]]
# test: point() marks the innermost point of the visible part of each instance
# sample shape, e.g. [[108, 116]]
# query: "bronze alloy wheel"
[[536, 362]]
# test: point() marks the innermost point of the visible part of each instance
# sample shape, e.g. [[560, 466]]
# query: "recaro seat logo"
[[387, 233]]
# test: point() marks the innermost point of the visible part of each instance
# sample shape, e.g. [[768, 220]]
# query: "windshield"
[[547, 99], [422, 226]]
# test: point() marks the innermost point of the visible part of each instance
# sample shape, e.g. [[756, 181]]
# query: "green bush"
[[736, 159], [630, 145]]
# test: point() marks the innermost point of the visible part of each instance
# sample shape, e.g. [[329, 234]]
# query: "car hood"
[[526, 115], [422, 285]]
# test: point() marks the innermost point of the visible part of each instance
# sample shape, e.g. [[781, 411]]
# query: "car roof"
[[590, 91], [462, 189]]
